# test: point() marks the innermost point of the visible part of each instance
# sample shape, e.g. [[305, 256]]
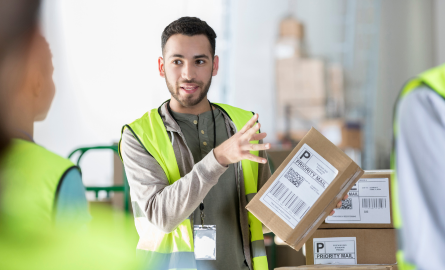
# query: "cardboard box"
[[304, 189], [373, 246], [377, 201], [339, 267], [300, 81], [291, 27], [315, 110], [288, 47], [342, 133]]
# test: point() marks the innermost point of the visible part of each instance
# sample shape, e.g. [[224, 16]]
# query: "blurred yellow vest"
[[31, 176]]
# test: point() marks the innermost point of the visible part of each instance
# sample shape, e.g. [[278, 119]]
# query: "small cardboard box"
[[304, 189], [339, 267], [373, 246], [291, 27], [378, 204], [300, 81], [342, 133]]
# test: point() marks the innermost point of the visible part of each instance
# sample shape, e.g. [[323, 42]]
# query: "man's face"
[[188, 66], [44, 79]]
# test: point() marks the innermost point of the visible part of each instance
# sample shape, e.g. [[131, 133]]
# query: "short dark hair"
[[189, 26]]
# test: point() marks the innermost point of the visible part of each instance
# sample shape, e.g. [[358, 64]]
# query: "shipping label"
[[335, 250], [368, 202], [299, 185]]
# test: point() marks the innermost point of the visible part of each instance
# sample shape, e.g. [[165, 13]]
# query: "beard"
[[189, 101]]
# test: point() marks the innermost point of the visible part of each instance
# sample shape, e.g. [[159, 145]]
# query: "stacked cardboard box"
[[300, 82], [301, 93], [344, 267], [361, 231], [290, 42], [291, 27], [344, 134], [308, 91]]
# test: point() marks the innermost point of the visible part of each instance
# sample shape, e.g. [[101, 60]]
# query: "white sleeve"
[[420, 163]]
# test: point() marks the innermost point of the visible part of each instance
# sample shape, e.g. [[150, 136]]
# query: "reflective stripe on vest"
[[434, 79], [32, 175], [175, 250]]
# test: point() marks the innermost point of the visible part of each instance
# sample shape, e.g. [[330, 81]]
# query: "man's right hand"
[[237, 147]]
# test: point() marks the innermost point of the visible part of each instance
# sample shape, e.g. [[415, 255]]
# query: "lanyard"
[[201, 205]]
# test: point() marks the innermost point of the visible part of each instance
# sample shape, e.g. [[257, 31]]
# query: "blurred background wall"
[[105, 56]]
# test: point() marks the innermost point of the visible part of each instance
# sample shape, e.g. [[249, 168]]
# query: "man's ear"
[[215, 65], [161, 67]]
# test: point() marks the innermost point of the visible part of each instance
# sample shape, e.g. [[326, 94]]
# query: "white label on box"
[[368, 202], [299, 185], [335, 250]]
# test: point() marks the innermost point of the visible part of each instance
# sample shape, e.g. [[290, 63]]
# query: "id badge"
[[205, 242]]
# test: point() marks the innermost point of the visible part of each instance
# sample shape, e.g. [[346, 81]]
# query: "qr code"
[[294, 177], [346, 204]]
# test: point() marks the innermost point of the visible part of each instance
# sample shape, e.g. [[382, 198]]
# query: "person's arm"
[[166, 206], [420, 152], [71, 205]]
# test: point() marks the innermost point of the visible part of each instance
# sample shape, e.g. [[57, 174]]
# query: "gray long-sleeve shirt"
[[420, 152], [166, 206]]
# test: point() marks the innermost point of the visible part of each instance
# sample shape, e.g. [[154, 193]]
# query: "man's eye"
[[200, 62], [177, 62]]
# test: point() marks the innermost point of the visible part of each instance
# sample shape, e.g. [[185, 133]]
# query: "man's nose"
[[188, 72]]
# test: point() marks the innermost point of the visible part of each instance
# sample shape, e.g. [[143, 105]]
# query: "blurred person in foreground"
[[28, 241], [191, 161], [50, 185], [30, 168], [419, 180]]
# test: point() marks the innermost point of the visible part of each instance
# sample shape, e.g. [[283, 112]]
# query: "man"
[[51, 185], [164, 205], [193, 162], [418, 158]]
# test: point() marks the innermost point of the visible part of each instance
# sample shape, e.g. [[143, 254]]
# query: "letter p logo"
[[319, 246], [306, 155]]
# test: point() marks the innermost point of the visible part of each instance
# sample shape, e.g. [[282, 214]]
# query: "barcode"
[[346, 204], [374, 203], [294, 177], [287, 198]]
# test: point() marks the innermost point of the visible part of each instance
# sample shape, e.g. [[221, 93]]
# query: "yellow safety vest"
[[175, 250], [31, 174], [434, 79]]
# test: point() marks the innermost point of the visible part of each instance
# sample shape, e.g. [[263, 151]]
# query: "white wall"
[[439, 33], [105, 55]]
